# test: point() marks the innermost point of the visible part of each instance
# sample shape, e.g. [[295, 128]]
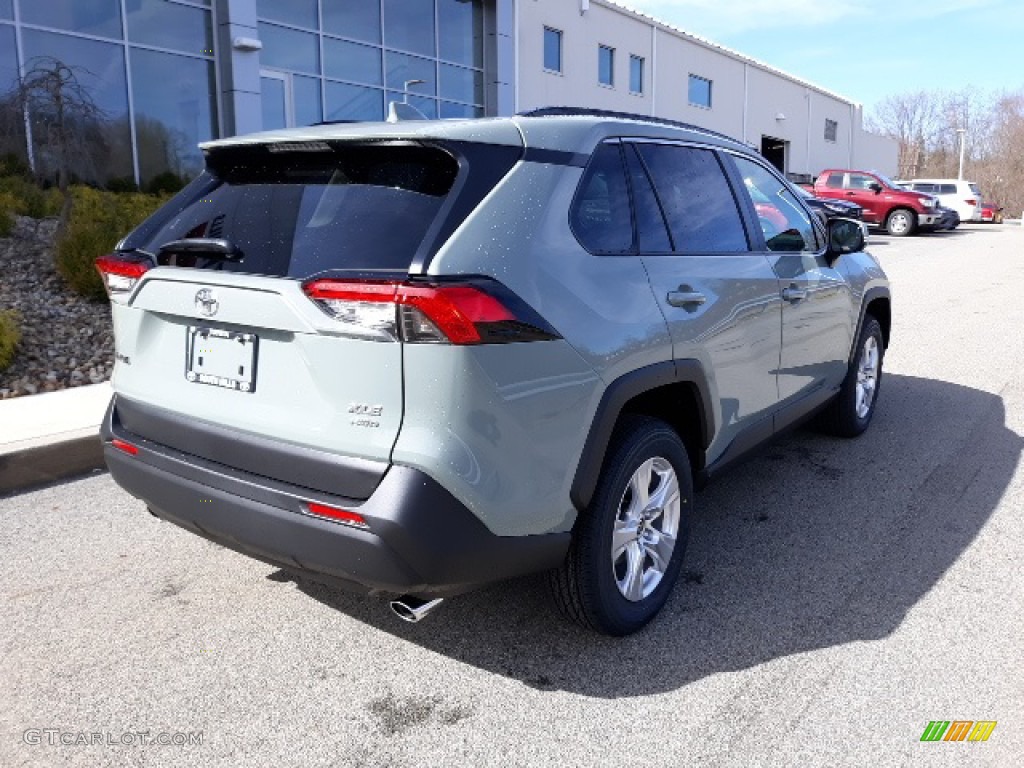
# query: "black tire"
[[901, 222], [845, 416], [585, 588]]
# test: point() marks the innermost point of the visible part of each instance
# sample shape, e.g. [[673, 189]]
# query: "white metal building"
[[601, 54]]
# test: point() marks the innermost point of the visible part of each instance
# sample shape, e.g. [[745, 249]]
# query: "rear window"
[[976, 190], [303, 209]]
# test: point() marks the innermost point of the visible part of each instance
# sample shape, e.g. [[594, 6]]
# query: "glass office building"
[[166, 75]]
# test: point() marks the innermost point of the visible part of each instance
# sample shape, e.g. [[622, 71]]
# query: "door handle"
[[684, 298], [794, 294]]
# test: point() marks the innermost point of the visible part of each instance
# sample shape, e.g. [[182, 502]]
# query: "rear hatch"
[[220, 319]]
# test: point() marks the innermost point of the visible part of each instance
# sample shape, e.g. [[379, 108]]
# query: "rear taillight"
[[971, 202], [475, 312], [120, 275]]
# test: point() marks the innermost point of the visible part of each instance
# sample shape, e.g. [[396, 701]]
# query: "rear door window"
[[304, 209], [698, 202]]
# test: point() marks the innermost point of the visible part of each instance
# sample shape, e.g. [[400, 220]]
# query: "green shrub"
[[98, 221], [123, 185], [30, 199], [13, 165], [8, 205], [166, 183], [9, 338]]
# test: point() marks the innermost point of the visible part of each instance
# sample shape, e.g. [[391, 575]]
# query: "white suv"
[[964, 197]]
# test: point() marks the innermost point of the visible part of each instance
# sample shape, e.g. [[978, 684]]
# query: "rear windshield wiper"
[[207, 247]]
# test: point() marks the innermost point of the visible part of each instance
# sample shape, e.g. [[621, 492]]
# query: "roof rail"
[[588, 112]]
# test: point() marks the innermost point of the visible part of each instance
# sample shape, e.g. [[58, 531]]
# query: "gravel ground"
[[66, 341]]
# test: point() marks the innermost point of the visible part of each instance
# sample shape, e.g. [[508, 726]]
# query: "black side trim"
[[765, 430], [617, 394], [556, 157], [878, 292], [350, 477], [750, 438]]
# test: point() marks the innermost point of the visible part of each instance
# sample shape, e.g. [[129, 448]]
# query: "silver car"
[[418, 357]]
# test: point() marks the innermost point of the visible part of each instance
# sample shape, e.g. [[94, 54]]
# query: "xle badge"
[[365, 415]]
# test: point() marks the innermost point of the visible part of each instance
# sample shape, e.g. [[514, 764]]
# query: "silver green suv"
[[418, 357]]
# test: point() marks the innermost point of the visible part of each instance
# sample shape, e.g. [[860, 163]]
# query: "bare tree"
[[911, 119], [64, 117]]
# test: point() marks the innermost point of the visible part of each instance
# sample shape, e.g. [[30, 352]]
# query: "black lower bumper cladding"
[[420, 539]]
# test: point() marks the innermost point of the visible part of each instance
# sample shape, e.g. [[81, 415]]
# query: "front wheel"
[[851, 411], [628, 546], [901, 223]]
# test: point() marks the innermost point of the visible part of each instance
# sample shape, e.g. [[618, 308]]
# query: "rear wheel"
[[901, 222], [628, 547]]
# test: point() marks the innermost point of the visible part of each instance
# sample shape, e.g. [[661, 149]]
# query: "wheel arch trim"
[[614, 399], [871, 295]]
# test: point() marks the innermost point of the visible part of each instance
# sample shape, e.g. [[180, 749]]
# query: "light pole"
[[963, 144], [405, 89]]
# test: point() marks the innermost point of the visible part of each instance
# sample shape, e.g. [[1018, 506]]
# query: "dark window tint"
[[600, 214], [947, 189], [697, 199], [831, 130], [786, 225], [652, 235], [834, 181], [298, 213]]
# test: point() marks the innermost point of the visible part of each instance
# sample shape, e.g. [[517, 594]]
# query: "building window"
[[605, 65], [831, 130], [636, 74], [700, 91], [358, 55], [552, 49]]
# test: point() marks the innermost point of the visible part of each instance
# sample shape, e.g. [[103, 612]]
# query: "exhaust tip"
[[414, 609]]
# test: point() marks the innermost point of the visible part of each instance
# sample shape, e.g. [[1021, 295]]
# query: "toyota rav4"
[[414, 358]]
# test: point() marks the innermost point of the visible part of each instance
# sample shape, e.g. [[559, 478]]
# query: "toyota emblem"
[[207, 303]]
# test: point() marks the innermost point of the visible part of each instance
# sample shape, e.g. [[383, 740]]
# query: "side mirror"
[[844, 236], [875, 187]]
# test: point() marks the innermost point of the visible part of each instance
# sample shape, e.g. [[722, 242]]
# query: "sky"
[[866, 50]]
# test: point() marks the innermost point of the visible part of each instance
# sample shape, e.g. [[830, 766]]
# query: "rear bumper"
[[420, 540]]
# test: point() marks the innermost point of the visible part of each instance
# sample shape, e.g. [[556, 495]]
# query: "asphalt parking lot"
[[838, 596]]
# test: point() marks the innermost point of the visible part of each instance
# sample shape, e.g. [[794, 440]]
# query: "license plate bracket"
[[221, 358]]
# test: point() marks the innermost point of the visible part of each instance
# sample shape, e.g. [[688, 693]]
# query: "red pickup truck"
[[899, 210]]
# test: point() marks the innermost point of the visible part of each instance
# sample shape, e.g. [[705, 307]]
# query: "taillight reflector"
[[341, 515], [128, 448]]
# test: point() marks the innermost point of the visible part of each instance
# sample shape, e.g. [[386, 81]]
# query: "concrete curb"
[[51, 436], [47, 463]]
